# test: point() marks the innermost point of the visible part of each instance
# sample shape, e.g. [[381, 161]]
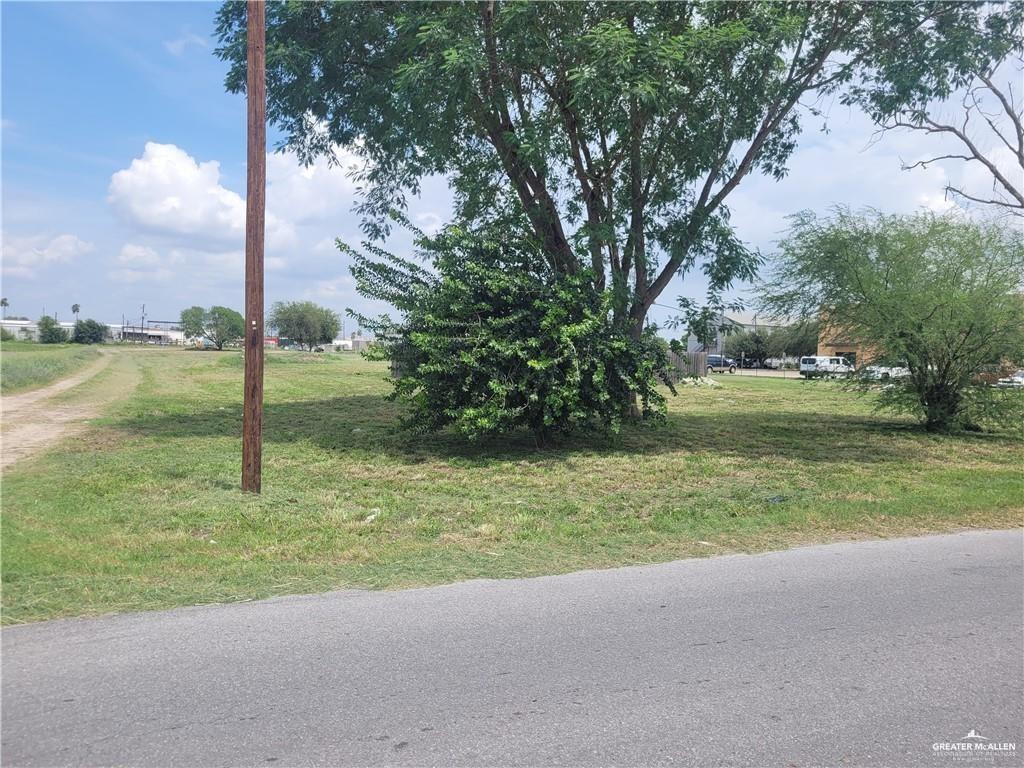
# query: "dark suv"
[[721, 364]]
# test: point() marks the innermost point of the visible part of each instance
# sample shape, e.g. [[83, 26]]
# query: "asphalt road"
[[849, 654]]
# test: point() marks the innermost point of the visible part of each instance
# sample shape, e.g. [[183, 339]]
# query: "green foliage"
[[218, 325], [491, 342], [612, 134], [50, 331], [6, 335], [796, 340], [304, 322], [940, 294], [747, 345], [89, 332]]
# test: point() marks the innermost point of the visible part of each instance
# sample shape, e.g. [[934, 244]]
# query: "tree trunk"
[[942, 406]]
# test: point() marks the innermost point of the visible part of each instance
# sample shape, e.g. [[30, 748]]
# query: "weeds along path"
[[34, 421]]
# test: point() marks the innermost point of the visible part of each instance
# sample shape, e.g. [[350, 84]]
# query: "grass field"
[[144, 510], [25, 365]]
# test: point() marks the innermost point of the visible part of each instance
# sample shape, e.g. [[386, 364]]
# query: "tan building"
[[833, 342]]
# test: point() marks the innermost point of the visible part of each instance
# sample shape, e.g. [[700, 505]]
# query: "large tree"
[[940, 295], [305, 323], [218, 325], [612, 134]]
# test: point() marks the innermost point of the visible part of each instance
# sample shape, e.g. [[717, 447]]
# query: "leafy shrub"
[[89, 332], [493, 341], [50, 331]]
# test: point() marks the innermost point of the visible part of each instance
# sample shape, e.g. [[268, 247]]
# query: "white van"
[[819, 365]]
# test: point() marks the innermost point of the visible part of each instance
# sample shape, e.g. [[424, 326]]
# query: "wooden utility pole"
[[255, 203]]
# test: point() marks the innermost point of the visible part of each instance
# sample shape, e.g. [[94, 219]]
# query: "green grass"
[[26, 365], [144, 511]]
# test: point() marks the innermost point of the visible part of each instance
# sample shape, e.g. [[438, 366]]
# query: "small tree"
[[304, 322], [89, 332], [747, 345], [940, 294], [50, 331], [75, 309], [218, 325], [794, 340]]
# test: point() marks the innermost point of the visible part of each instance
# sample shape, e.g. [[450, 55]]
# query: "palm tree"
[[4, 304], [74, 310]]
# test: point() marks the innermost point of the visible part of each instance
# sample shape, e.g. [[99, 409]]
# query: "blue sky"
[[123, 173]]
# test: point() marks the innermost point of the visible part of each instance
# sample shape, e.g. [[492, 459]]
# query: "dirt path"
[[33, 421]]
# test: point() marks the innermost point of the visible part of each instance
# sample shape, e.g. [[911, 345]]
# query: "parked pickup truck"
[[885, 372], [1013, 381], [819, 365]]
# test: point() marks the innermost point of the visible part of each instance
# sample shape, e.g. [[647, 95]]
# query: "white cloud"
[[429, 222], [24, 256], [138, 255], [339, 289], [137, 263], [169, 193], [320, 191], [166, 191], [177, 46], [845, 167]]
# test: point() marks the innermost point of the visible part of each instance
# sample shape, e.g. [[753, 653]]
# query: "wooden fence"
[[688, 364]]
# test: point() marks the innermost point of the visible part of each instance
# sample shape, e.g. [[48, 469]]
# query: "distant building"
[[150, 333], [28, 330], [359, 343], [834, 343], [735, 322]]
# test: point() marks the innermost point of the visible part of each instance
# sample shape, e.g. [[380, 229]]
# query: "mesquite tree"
[[941, 295]]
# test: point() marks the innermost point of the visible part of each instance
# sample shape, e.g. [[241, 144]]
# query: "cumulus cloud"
[[136, 263], [177, 46], [168, 192], [138, 255], [25, 256], [316, 192], [429, 222]]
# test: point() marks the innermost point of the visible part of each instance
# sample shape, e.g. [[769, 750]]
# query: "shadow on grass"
[[368, 424]]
